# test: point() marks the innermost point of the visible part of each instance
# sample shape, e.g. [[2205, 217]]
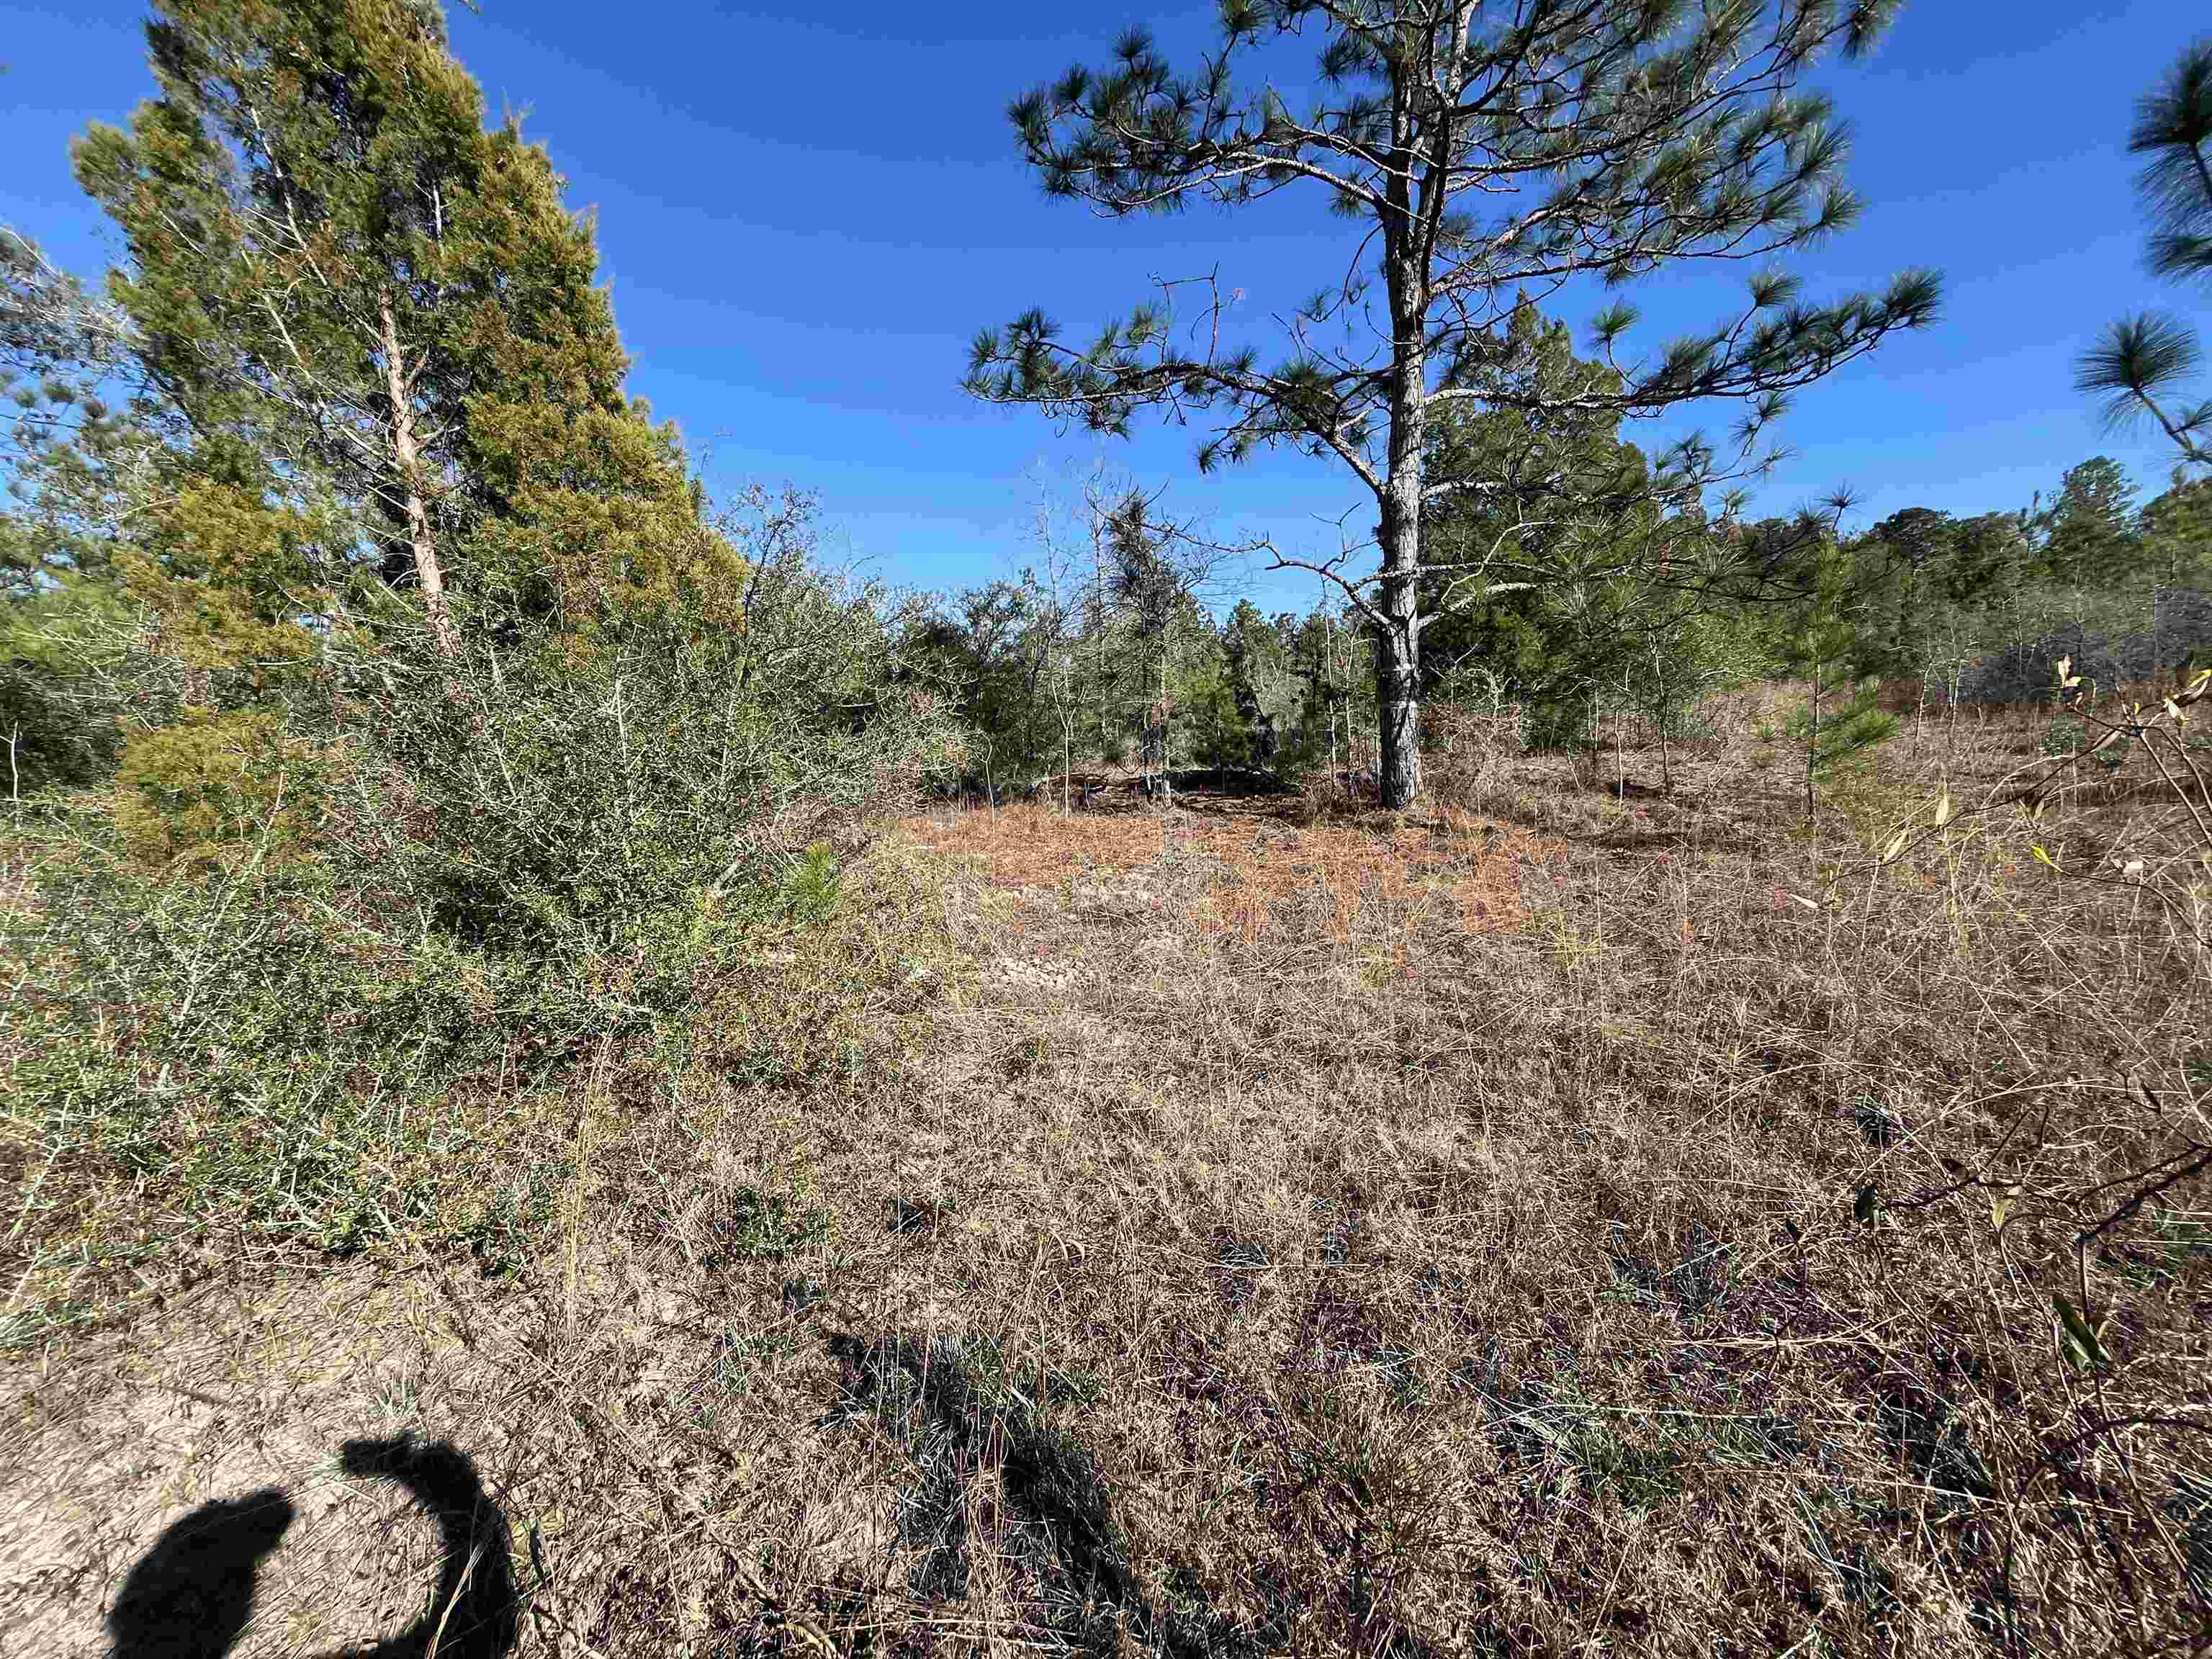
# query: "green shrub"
[[238, 1048], [64, 695], [1558, 724], [312, 971], [627, 815], [812, 891], [2066, 736]]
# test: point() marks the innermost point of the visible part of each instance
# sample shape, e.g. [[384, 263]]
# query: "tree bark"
[[427, 571], [1398, 632], [1167, 729]]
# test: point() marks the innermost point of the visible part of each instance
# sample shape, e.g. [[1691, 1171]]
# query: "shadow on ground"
[[943, 1402], [191, 1595]]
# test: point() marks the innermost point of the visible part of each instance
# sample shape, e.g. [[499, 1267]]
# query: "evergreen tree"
[[1255, 658], [1842, 721], [76, 474], [2176, 532], [2091, 537], [1486, 147], [67, 454], [2143, 361], [1908, 554], [1539, 528], [364, 322], [1147, 585]]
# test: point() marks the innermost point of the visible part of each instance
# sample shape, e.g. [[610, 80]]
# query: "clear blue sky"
[[805, 211]]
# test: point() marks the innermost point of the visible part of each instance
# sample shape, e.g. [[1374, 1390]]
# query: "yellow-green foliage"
[[226, 576], [219, 787]]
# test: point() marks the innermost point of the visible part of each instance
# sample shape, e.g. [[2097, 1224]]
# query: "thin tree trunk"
[[1167, 736], [1398, 635], [2157, 662], [1098, 690], [1812, 745], [1620, 739], [1340, 775], [427, 570]]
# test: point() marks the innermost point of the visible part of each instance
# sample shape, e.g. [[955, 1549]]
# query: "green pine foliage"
[[1842, 721], [2144, 365]]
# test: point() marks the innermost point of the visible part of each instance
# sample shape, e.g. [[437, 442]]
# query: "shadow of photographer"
[[191, 1595]]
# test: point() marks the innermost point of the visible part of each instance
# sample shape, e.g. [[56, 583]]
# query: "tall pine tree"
[[1486, 147]]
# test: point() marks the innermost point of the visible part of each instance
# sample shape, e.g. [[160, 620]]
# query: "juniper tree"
[[2144, 359], [360, 316], [1486, 147]]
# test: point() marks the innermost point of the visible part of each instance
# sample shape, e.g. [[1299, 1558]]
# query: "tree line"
[[1058, 675], [338, 461]]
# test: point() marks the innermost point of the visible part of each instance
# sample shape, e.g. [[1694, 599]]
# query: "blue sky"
[[806, 210]]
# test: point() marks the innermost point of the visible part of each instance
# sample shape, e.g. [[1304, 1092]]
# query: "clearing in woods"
[[1558, 1218]]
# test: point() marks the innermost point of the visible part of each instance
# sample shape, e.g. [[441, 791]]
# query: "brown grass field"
[[1549, 1223]]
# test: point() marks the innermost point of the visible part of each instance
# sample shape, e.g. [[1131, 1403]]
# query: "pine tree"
[[1147, 585], [1842, 721], [2144, 359], [2177, 557], [2092, 536], [2177, 529], [1255, 664], [76, 481], [66, 453], [1538, 515], [1485, 147]]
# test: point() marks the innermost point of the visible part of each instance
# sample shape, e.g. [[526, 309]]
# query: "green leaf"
[[1863, 1205], [2082, 1345]]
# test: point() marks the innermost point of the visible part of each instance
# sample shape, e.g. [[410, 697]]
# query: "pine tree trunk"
[[1167, 730], [1398, 635], [1812, 744], [1398, 700], [427, 570], [2157, 662]]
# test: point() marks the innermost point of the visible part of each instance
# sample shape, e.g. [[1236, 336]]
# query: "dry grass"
[[1222, 1233]]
